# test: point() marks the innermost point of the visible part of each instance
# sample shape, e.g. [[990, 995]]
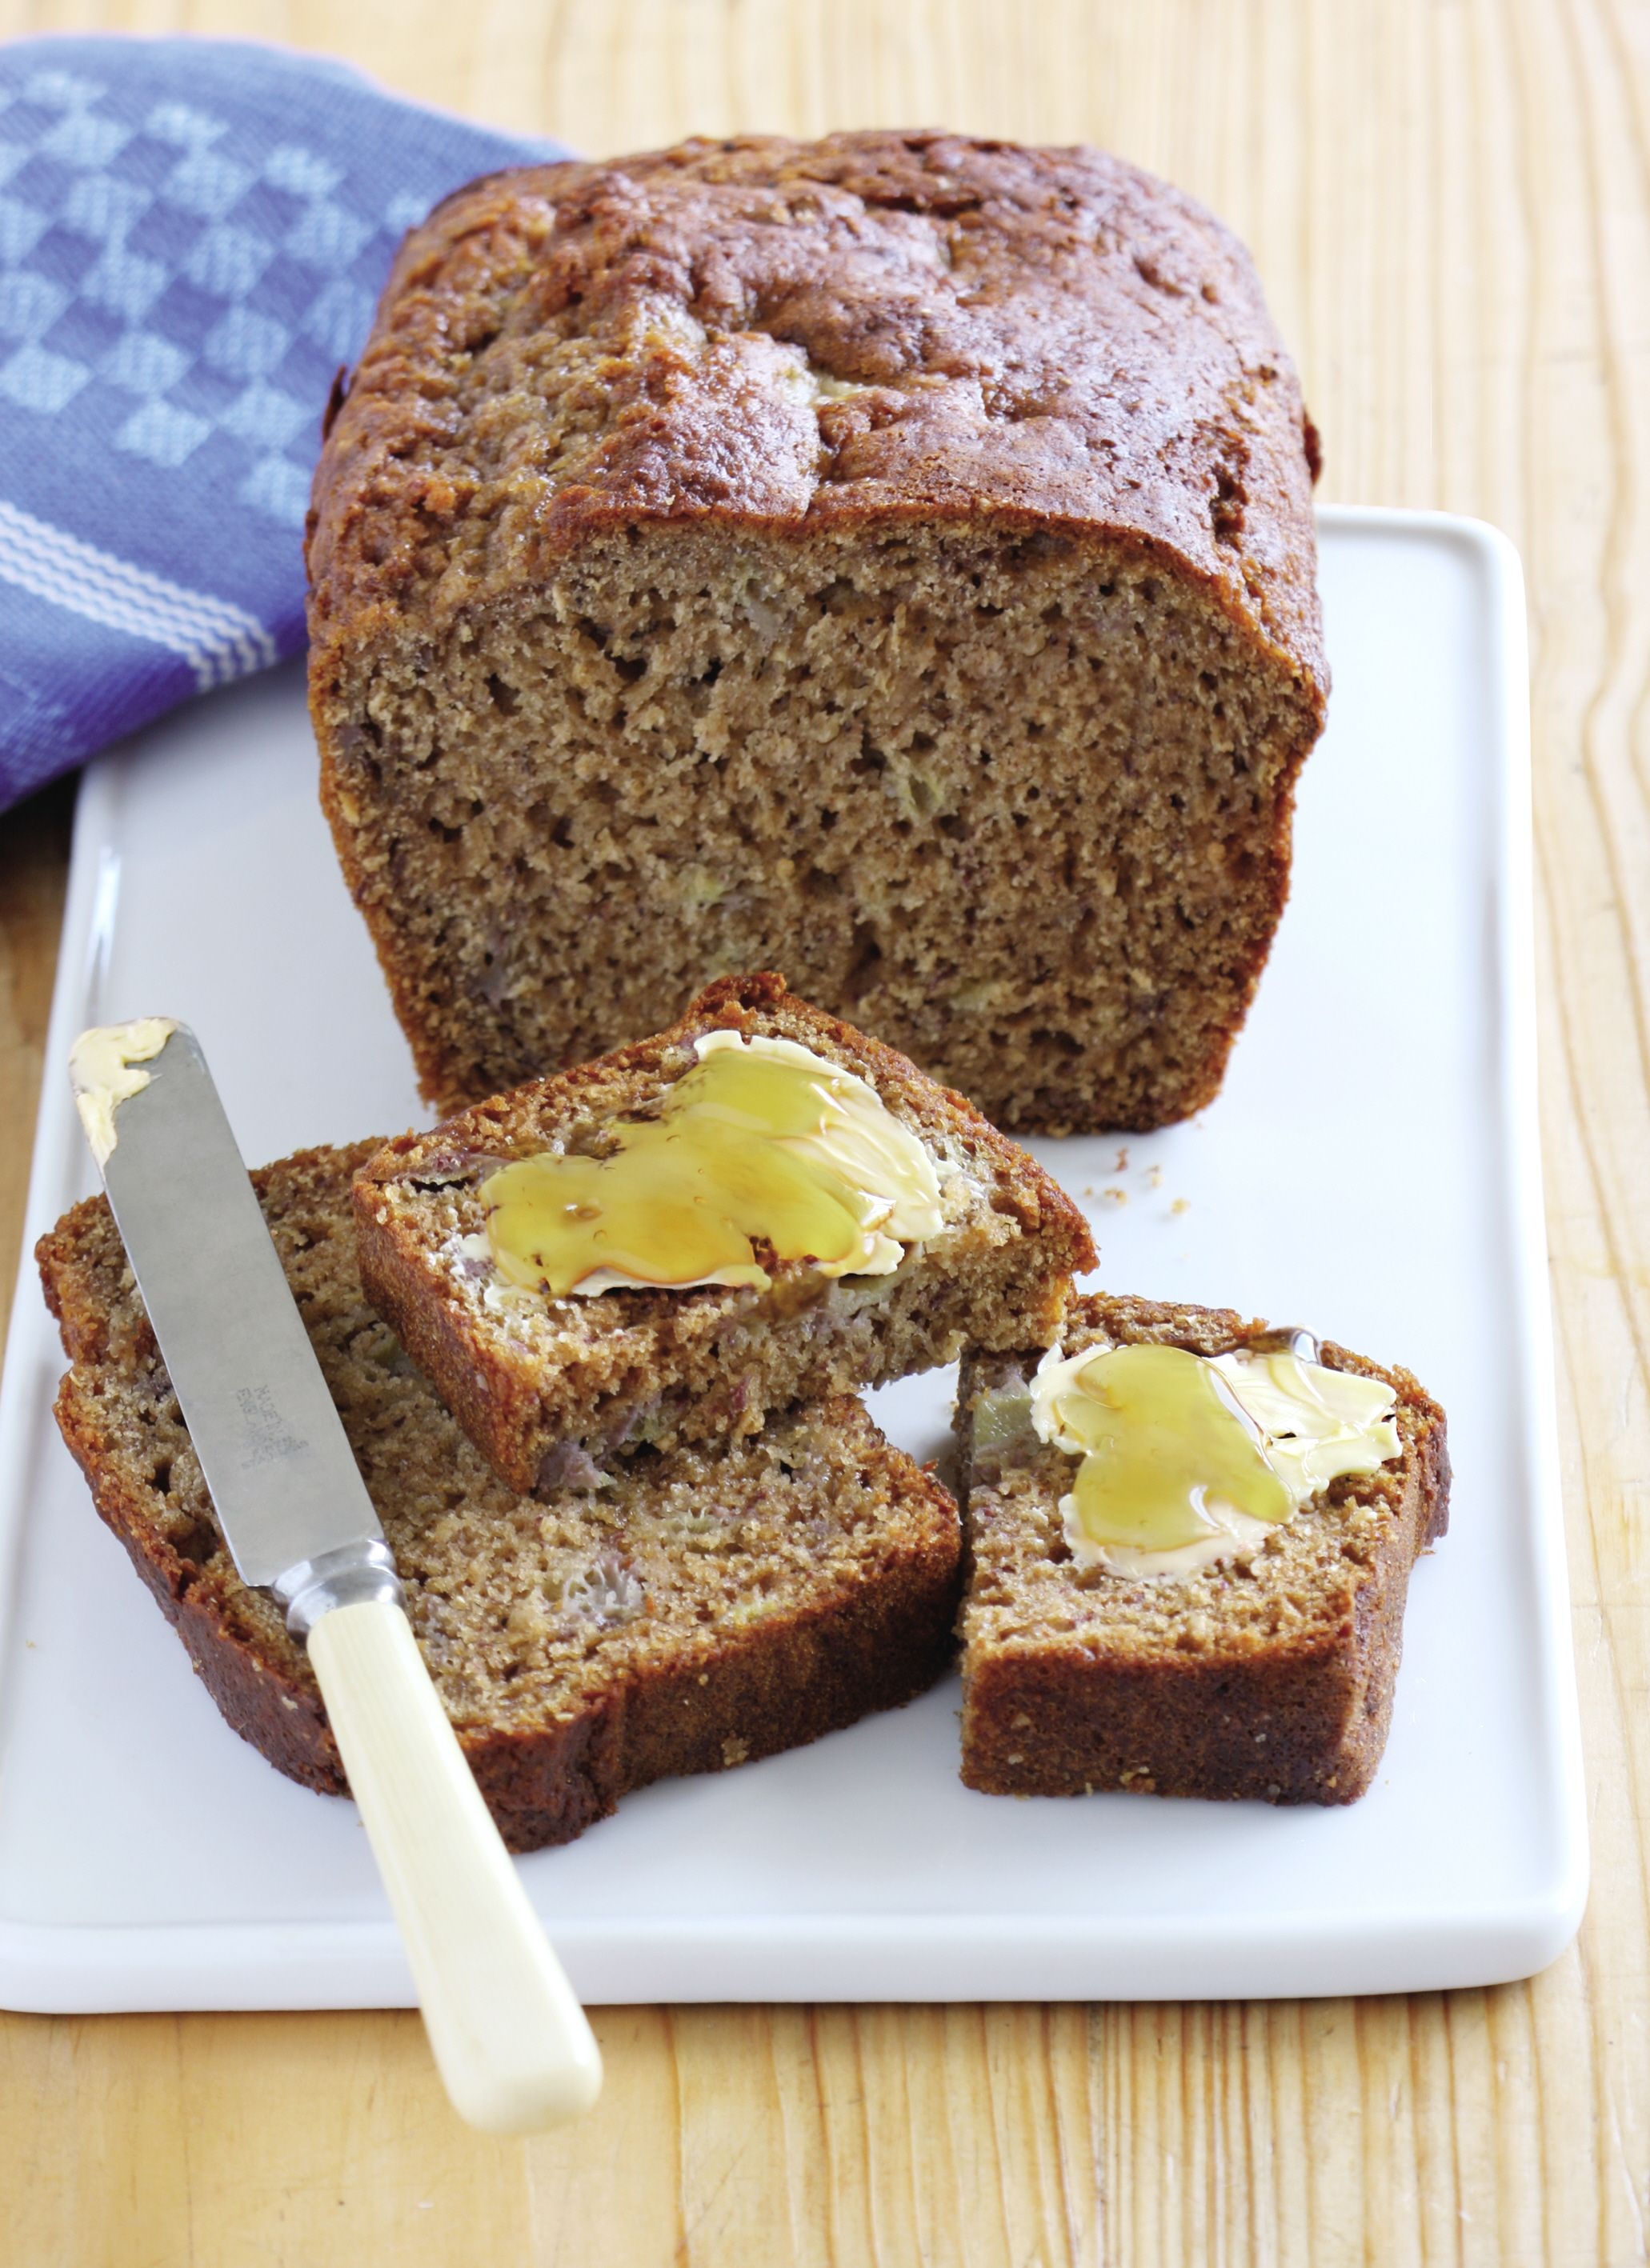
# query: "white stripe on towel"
[[219, 641]]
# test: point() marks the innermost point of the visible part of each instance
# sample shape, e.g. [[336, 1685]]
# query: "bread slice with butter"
[[678, 1614], [545, 1257], [1174, 1628]]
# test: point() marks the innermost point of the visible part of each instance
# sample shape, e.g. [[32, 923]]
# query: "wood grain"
[[1450, 202]]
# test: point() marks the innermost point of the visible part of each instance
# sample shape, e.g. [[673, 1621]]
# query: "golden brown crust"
[[1276, 1685], [830, 1656], [1049, 336], [706, 1362]]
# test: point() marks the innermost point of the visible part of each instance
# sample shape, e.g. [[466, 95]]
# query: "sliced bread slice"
[[1269, 1673], [680, 1615], [527, 1375]]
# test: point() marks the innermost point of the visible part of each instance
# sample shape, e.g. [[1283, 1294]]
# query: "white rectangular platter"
[[1370, 1171]]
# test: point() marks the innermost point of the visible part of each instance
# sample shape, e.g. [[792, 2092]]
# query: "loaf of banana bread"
[[679, 1615], [890, 559]]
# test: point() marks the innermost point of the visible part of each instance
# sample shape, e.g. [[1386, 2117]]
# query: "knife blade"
[[511, 2042], [276, 1459]]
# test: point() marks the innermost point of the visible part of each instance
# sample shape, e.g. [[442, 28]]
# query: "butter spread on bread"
[[1188, 1458], [763, 1142]]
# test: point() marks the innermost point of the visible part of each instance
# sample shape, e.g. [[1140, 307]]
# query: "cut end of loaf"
[[1018, 800]]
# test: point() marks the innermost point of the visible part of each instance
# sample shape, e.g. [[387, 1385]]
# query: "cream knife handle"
[[511, 2041]]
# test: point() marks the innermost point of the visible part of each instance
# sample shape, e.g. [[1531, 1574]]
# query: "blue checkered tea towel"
[[193, 235]]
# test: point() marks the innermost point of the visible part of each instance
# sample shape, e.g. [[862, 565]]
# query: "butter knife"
[[510, 2039]]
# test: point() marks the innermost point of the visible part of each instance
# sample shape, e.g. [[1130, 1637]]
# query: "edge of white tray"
[[79, 1969]]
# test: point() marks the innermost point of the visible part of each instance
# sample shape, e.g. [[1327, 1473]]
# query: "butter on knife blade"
[[106, 1068]]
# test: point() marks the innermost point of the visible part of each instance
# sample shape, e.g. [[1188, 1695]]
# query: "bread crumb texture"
[[688, 1613], [1270, 1676], [888, 559]]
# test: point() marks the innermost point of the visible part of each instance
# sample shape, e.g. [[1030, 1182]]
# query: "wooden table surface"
[[1450, 204]]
